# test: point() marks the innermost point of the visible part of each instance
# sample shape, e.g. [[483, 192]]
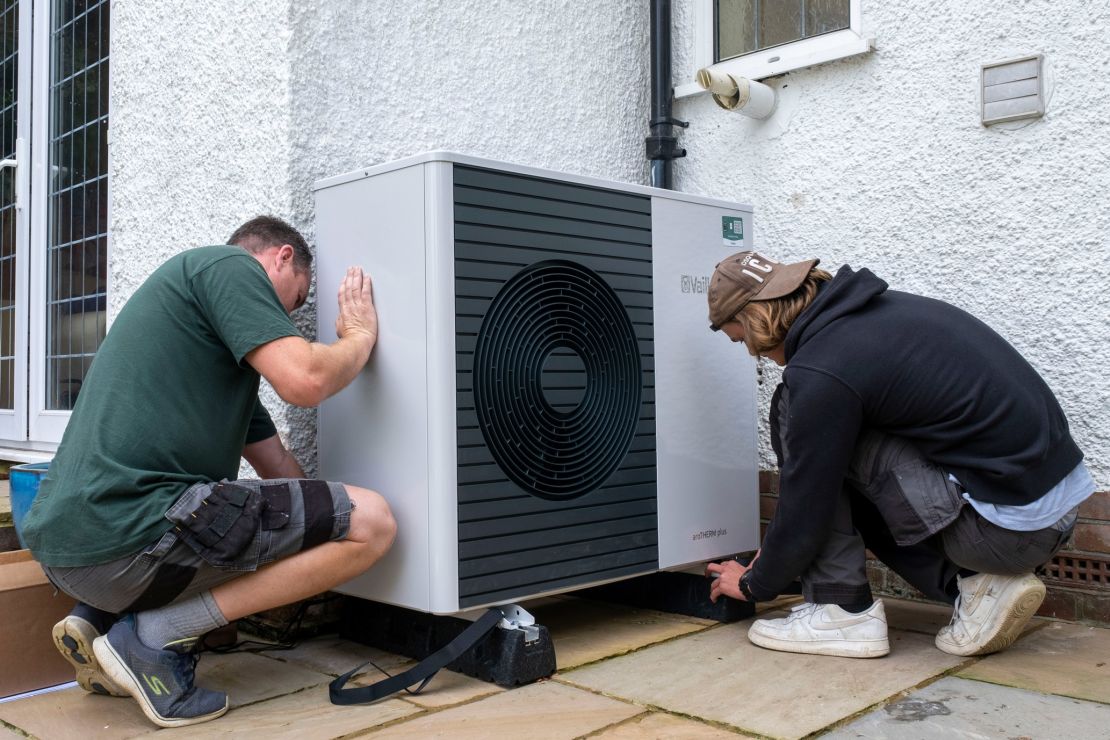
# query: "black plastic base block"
[[678, 593], [503, 657]]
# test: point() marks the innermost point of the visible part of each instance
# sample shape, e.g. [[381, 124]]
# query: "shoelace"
[[799, 611], [956, 610], [185, 668]]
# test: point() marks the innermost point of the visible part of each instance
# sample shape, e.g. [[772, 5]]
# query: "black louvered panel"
[[555, 381]]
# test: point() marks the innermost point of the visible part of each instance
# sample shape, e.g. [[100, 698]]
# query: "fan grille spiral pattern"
[[549, 308]]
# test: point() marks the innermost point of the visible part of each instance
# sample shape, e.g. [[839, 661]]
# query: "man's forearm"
[[334, 366], [305, 373]]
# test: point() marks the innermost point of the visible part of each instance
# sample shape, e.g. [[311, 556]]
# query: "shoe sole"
[[1025, 602], [837, 648], [74, 637], [113, 665]]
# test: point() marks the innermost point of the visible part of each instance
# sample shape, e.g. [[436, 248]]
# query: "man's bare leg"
[[156, 667], [318, 569]]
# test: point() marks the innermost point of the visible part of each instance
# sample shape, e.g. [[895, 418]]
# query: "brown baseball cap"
[[749, 276]]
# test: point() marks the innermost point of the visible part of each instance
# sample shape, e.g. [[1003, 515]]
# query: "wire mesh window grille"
[[77, 268], [9, 77], [746, 26]]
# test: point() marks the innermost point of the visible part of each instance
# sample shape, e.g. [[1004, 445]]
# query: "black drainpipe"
[[662, 145]]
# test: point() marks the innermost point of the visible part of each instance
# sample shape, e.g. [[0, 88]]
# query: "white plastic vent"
[[1012, 90]]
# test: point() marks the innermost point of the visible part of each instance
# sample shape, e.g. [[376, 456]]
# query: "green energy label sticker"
[[732, 231]]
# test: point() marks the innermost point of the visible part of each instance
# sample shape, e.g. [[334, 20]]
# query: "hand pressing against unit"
[[357, 314]]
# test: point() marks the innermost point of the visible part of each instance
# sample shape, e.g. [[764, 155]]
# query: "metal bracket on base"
[[516, 617], [518, 652]]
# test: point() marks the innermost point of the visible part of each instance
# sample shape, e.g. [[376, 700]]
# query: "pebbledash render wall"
[[880, 161], [221, 111]]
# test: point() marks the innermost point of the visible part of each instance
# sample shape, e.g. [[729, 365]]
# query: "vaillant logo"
[[695, 283], [708, 534]]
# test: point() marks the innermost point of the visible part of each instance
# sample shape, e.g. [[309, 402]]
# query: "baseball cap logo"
[[753, 262]]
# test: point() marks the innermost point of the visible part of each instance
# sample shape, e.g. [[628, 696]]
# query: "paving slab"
[[584, 631], [917, 616], [446, 688], [537, 711], [305, 714], [335, 656], [662, 725], [959, 708], [247, 678], [719, 676], [1066, 659], [74, 713]]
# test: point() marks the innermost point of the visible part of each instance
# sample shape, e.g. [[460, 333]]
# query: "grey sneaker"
[[160, 680], [990, 613], [73, 636]]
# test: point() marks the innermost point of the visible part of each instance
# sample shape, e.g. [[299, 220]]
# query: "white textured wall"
[[224, 110], [880, 161], [200, 126], [200, 121]]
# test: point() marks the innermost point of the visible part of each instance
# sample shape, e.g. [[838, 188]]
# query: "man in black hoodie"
[[906, 426]]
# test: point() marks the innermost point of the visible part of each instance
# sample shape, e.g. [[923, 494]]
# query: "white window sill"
[[788, 57], [21, 455]]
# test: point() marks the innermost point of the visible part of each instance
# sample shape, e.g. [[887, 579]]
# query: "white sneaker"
[[990, 613], [825, 629]]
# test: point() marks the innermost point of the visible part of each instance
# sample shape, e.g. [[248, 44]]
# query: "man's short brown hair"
[[263, 232]]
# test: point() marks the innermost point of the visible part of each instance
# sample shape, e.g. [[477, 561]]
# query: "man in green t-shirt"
[[140, 514]]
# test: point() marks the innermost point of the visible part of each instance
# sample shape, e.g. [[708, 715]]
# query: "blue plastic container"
[[25, 481]]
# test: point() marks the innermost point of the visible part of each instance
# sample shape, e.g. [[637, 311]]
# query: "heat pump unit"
[[546, 407]]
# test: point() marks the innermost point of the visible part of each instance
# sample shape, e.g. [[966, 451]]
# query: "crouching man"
[[140, 514], [906, 426]]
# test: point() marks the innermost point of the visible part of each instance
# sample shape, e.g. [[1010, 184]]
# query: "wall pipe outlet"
[[746, 97]]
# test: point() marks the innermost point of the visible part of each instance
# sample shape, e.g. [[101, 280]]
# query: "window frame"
[[45, 424], [775, 60], [32, 430], [13, 421]]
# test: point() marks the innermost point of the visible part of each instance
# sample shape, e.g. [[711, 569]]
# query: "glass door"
[[69, 227], [15, 110]]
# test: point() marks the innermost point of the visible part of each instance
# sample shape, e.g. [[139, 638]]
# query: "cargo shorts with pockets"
[[217, 532]]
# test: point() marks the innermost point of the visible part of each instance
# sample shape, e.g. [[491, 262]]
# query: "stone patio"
[[634, 673]]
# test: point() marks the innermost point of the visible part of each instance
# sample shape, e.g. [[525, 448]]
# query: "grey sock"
[[179, 625]]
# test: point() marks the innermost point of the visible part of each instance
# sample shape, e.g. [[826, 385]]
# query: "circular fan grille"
[[557, 330]]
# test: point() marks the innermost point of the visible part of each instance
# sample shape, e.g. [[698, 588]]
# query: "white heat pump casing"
[[394, 429]]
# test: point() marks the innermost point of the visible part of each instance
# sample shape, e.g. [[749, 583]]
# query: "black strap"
[[421, 672]]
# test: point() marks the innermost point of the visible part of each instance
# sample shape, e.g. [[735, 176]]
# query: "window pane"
[[780, 22], [744, 26], [9, 47], [735, 28], [826, 16], [77, 272]]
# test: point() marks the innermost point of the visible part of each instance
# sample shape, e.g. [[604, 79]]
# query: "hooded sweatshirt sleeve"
[[822, 419]]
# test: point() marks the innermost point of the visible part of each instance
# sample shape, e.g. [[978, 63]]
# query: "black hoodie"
[[861, 356]]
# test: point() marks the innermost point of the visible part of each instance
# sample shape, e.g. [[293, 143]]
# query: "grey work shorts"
[[292, 515]]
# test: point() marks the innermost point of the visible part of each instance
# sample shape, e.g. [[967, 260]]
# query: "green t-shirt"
[[168, 402]]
